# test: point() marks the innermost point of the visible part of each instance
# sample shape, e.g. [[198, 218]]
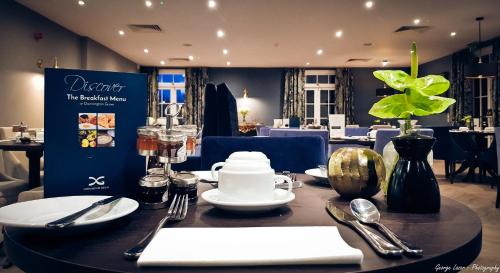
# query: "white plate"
[[205, 175], [281, 198], [316, 173], [37, 213], [87, 126]]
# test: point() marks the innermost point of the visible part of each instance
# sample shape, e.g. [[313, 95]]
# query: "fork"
[[176, 212]]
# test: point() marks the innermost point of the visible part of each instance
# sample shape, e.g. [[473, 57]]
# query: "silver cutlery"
[[380, 245], [295, 184], [70, 219], [176, 212], [368, 213]]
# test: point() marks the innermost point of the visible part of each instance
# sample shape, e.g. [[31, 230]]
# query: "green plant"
[[418, 97]]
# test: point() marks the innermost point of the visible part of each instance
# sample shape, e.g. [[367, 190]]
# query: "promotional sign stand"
[[90, 131]]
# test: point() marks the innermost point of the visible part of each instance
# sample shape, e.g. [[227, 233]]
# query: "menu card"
[[90, 131]]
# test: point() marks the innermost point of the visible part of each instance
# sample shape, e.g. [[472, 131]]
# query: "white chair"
[[286, 123], [277, 123], [337, 125]]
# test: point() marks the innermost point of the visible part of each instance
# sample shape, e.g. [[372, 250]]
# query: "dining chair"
[[293, 132], [227, 114], [446, 149], [210, 111], [294, 122], [497, 138], [294, 154], [356, 131], [384, 136]]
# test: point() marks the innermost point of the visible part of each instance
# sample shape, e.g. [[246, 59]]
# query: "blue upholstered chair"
[[359, 131], [277, 132], [497, 138], [295, 154], [294, 122], [446, 149], [384, 136], [210, 111], [264, 131], [227, 115]]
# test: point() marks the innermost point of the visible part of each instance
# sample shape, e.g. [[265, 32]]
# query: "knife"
[[70, 219], [380, 245]]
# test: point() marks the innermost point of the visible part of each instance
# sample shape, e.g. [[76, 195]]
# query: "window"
[[171, 87], [483, 99], [320, 96]]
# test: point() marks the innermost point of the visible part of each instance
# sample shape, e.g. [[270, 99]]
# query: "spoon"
[[368, 213]]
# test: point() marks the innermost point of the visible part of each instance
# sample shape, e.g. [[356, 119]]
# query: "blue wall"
[[263, 85]]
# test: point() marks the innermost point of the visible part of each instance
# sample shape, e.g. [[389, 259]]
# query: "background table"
[[450, 237], [474, 144], [34, 151]]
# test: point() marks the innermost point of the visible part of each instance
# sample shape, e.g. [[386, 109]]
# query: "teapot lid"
[[247, 166], [247, 155]]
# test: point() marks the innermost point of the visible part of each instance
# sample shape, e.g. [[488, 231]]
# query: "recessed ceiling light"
[[146, 50], [212, 4], [453, 34], [225, 51], [190, 57], [416, 21], [228, 63], [81, 3], [307, 63], [385, 62], [338, 33], [369, 4], [121, 32], [148, 3], [220, 33], [319, 51], [162, 62]]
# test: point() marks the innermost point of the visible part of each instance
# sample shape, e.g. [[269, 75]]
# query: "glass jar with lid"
[[153, 191], [191, 132], [184, 183], [172, 146], [147, 140]]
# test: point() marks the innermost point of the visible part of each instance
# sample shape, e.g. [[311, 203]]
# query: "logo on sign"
[[96, 181]]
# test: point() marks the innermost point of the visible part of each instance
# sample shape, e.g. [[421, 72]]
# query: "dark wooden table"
[[451, 237], [473, 143], [34, 151], [353, 141]]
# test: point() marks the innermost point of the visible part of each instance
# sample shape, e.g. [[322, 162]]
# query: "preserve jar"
[[153, 191], [184, 183], [171, 146], [147, 140]]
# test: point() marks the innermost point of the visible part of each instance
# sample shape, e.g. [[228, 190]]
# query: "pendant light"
[[480, 70]]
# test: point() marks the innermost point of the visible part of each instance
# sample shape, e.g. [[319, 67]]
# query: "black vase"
[[413, 186]]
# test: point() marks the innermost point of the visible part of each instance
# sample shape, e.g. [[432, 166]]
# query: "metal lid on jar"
[[153, 181], [156, 171], [171, 135], [184, 179], [148, 130]]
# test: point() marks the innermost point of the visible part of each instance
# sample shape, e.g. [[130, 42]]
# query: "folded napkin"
[[249, 246]]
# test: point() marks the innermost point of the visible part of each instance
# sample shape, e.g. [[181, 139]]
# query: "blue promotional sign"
[[90, 132]]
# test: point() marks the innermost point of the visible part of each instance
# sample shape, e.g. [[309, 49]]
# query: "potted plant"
[[412, 184]]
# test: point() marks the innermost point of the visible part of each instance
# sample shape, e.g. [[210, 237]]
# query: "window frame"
[[317, 88]]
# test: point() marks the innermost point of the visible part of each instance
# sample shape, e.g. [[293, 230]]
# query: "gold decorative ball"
[[356, 172]]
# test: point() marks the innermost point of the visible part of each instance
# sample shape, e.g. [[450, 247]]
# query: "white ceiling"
[[276, 33]]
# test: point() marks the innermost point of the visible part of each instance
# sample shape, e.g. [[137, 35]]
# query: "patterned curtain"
[[344, 94], [293, 93], [496, 95], [153, 106], [196, 80], [460, 89]]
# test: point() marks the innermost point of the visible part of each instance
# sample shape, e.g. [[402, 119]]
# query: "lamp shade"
[[480, 70]]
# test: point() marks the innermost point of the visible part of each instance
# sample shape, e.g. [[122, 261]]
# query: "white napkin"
[[249, 246]]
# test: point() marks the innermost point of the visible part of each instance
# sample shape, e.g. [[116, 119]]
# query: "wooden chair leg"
[[447, 167]]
